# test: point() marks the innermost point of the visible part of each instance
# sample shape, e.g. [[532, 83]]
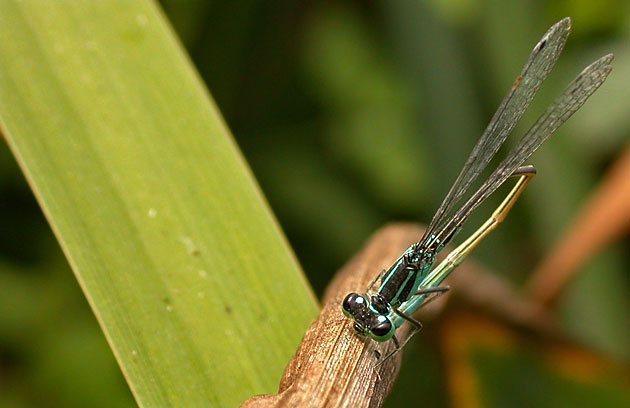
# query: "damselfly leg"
[[379, 276], [416, 326]]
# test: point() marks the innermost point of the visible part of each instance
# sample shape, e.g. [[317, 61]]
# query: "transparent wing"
[[556, 114], [537, 67]]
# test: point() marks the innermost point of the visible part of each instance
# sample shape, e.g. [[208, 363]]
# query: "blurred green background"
[[352, 114]]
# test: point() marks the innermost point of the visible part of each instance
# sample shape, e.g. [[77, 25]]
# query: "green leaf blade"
[[166, 230]]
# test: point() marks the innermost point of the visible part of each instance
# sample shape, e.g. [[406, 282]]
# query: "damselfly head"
[[366, 321]]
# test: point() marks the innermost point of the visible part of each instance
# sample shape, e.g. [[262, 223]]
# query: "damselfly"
[[412, 279]]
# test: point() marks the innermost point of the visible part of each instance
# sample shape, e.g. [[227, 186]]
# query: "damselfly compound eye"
[[382, 330], [352, 303]]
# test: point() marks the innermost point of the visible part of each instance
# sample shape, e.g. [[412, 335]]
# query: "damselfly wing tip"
[[562, 26], [608, 58], [556, 35]]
